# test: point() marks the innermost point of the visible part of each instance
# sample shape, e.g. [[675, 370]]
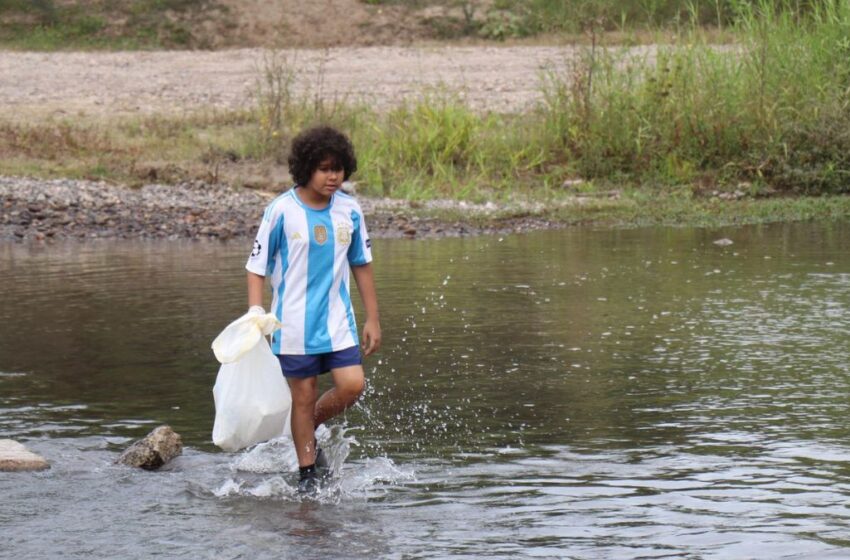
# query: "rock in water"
[[16, 457], [156, 449]]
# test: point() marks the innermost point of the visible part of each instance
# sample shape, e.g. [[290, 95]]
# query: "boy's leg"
[[304, 392], [349, 382]]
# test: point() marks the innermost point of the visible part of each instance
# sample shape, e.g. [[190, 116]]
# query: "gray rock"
[[153, 451], [16, 457], [86, 210]]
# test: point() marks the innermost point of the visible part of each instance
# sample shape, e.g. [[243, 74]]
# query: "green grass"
[[644, 207], [47, 25], [771, 113], [504, 19], [774, 111], [212, 145]]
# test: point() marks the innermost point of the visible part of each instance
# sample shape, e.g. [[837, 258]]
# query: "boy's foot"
[[323, 468], [309, 483]]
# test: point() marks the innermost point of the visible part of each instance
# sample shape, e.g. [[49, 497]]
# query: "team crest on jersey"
[[343, 235], [320, 234]]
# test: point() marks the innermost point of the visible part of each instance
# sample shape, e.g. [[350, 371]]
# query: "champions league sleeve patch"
[[368, 243], [257, 248]]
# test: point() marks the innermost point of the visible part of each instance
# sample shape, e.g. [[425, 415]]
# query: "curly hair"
[[314, 145]]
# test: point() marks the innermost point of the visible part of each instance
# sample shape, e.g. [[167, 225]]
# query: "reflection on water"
[[584, 394]]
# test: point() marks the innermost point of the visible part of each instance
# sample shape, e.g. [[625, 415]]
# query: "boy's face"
[[327, 178]]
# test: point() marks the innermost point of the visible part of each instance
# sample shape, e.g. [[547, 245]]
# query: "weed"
[[742, 114], [274, 99]]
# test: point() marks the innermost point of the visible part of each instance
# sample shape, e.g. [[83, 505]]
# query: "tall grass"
[[771, 112], [423, 149], [775, 109]]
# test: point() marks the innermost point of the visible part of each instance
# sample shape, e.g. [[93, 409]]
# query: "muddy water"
[[583, 394]]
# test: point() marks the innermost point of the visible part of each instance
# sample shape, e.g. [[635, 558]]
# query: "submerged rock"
[[16, 457], [154, 450]]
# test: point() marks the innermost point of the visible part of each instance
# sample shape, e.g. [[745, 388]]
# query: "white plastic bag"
[[252, 399]]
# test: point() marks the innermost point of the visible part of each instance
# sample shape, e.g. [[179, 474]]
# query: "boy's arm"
[[365, 279], [256, 283]]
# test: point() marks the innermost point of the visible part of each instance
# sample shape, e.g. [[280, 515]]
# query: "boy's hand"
[[371, 337]]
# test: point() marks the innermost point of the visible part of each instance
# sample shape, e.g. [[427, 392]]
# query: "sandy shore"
[[504, 79]]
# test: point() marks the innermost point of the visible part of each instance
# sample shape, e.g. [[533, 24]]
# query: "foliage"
[[774, 110], [503, 19], [112, 24]]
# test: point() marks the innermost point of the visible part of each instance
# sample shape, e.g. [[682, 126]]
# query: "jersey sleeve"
[[267, 243], [360, 250]]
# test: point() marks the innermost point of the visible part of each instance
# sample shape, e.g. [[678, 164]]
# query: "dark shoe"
[[323, 468], [309, 484]]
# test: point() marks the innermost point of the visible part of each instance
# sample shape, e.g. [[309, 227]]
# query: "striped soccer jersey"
[[307, 252]]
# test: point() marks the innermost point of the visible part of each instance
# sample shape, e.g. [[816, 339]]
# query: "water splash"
[[269, 470]]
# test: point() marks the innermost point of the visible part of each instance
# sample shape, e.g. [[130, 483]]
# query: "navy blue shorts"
[[311, 365]]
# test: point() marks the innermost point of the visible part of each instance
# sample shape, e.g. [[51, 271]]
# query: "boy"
[[309, 241]]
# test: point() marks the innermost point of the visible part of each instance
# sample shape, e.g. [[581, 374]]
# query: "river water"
[[639, 393]]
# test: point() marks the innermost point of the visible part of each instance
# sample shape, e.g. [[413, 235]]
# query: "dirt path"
[[33, 85]]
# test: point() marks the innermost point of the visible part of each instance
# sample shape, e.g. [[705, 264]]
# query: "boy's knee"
[[304, 403], [353, 388], [349, 383], [304, 393]]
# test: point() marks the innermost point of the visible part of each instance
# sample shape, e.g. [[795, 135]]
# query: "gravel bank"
[[42, 210], [119, 83]]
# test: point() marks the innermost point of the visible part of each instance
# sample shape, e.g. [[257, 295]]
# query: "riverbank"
[[44, 210], [35, 210], [683, 133], [472, 124]]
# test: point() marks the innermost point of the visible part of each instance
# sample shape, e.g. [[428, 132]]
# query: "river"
[[639, 393]]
